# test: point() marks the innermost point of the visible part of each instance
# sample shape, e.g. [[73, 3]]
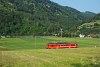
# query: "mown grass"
[[80, 57], [40, 42], [31, 52], [23, 43]]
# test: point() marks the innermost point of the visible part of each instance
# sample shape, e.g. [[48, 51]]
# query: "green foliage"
[[27, 17]]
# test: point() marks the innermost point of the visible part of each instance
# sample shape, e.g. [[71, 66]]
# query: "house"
[[81, 36], [3, 37]]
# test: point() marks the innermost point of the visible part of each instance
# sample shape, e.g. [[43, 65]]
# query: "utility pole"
[[34, 38], [35, 42], [61, 32]]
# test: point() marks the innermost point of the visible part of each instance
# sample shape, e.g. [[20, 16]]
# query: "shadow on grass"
[[2, 65], [4, 49], [22, 48], [93, 62], [85, 65]]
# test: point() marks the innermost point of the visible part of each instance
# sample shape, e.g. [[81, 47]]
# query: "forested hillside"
[[43, 17], [92, 26]]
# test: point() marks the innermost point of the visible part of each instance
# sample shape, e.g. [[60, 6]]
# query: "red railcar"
[[62, 45]]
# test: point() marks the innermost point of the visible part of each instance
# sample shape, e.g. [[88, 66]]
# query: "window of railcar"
[[72, 44]]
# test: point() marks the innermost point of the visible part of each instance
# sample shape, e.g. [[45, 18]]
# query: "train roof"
[[62, 42]]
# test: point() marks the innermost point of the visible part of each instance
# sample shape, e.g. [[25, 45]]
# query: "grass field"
[[31, 52]]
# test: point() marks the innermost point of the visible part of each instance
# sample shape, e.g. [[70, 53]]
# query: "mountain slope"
[[92, 26], [26, 17], [89, 14]]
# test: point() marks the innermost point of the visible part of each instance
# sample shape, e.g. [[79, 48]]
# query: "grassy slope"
[[90, 25], [79, 57]]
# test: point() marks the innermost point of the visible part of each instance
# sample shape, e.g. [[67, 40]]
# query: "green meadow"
[[31, 52]]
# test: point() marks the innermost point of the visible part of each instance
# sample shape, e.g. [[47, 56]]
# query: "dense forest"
[[42, 17]]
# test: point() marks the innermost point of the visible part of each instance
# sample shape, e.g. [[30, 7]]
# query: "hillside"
[[89, 14], [27, 17], [92, 27]]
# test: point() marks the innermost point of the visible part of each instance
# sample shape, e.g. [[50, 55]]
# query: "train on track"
[[59, 45]]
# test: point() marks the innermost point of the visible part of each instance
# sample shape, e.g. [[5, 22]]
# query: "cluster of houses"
[[88, 36]]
